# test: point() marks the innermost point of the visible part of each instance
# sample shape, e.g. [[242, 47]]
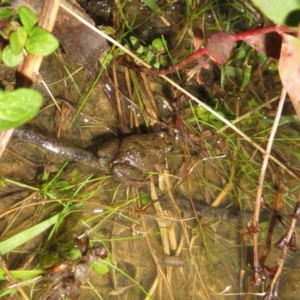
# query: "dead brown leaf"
[[82, 45], [289, 68]]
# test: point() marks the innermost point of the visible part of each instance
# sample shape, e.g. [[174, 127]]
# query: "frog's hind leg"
[[128, 175]]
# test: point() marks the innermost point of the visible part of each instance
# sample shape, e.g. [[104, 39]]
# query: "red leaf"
[[267, 43], [289, 69], [198, 38], [219, 47]]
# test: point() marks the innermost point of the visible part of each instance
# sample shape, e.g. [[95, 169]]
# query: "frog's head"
[[166, 141]]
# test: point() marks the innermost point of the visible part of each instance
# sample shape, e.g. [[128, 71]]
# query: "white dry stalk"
[[249, 113], [267, 156], [255, 221]]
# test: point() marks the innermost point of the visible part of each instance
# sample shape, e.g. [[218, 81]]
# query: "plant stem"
[[255, 220]]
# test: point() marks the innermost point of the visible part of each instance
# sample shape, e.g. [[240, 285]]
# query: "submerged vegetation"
[[221, 80]]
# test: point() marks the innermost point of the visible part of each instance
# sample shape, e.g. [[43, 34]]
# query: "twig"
[[287, 246], [157, 262], [11, 279], [30, 68], [4, 139], [258, 273], [249, 113], [273, 221]]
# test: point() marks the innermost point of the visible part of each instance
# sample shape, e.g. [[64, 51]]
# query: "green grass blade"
[[26, 235]]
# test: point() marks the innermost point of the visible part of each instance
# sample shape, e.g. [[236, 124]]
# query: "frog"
[[106, 149], [132, 156]]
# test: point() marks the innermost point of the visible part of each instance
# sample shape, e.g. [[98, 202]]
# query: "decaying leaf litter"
[[204, 167]]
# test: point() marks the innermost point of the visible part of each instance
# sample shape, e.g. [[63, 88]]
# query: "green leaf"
[[163, 61], [281, 12], [140, 50], [18, 106], [27, 17], [105, 59], [9, 58], [252, 103], [230, 71], [21, 274], [246, 77], [152, 60], [145, 198], [17, 40], [134, 42], [272, 67], [26, 235], [101, 267], [108, 30], [158, 45], [153, 5], [74, 254], [202, 112], [41, 42], [5, 14]]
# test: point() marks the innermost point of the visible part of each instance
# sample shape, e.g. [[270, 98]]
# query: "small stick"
[[157, 262], [255, 220], [30, 68], [12, 279], [274, 284]]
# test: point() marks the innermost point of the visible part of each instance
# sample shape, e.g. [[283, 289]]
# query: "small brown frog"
[[134, 155]]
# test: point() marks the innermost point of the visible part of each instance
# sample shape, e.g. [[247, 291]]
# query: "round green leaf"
[[158, 45], [100, 267], [17, 40], [41, 42], [5, 14], [9, 58], [281, 12], [18, 106], [134, 42], [27, 17]]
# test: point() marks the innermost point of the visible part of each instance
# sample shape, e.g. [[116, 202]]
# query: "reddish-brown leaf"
[[289, 69], [268, 43], [198, 38], [219, 47]]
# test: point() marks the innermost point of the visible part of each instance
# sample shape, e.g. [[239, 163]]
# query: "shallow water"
[[218, 257]]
